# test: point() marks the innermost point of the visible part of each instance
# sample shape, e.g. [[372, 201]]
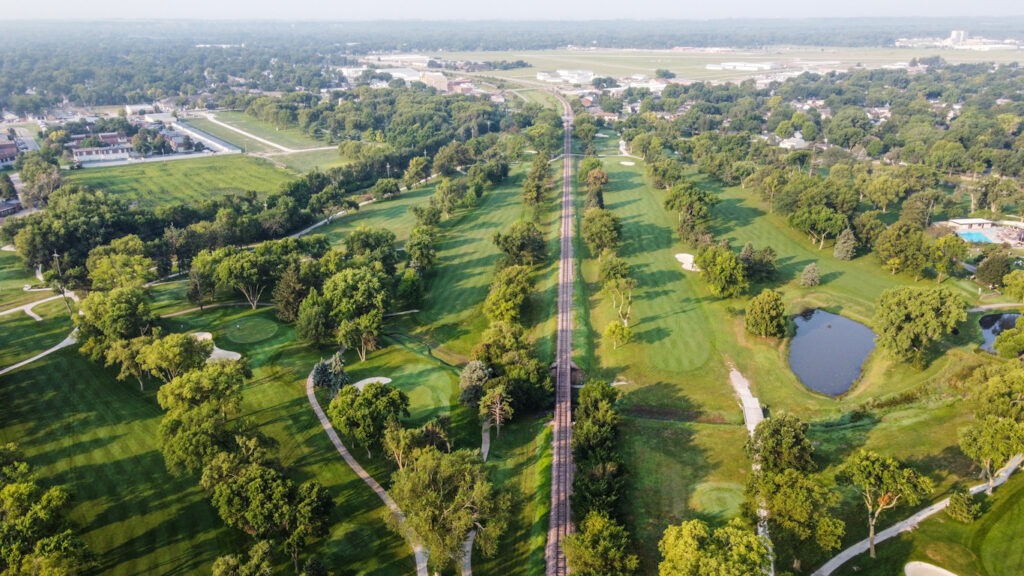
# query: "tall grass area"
[[153, 184]]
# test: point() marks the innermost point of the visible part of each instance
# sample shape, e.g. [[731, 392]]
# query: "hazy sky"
[[497, 9]]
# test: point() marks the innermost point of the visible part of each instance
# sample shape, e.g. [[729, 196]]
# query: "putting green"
[[251, 329], [724, 498]]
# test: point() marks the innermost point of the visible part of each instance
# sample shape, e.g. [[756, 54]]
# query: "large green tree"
[[908, 319], [523, 243], [883, 484], [174, 355], [693, 549], [722, 269], [766, 314], [445, 496], [364, 414], [600, 547], [991, 442], [600, 230]]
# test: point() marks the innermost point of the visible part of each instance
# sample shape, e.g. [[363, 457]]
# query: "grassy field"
[[676, 378], [288, 137], [24, 337], [228, 135], [183, 181], [391, 214], [989, 546], [302, 162], [13, 278], [692, 65]]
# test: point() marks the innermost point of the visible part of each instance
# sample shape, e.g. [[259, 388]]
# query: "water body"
[[992, 325], [828, 351]]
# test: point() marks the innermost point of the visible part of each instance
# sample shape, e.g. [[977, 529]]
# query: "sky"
[[497, 9]]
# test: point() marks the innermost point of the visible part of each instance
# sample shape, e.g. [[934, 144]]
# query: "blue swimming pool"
[[977, 237]]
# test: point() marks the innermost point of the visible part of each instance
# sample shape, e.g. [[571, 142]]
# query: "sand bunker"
[[218, 353], [627, 163], [379, 379], [602, 135], [925, 569], [687, 262]]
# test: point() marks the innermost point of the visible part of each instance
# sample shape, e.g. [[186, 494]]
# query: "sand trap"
[[687, 262], [379, 379], [218, 353], [603, 136], [627, 163], [925, 569], [9, 248]]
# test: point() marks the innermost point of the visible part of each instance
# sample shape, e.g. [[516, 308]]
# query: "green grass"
[[183, 181], [79, 427], [520, 461], [391, 214], [13, 278], [228, 135], [288, 137], [989, 546], [302, 162], [24, 337]]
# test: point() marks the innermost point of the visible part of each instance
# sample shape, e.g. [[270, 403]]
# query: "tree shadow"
[[835, 440]]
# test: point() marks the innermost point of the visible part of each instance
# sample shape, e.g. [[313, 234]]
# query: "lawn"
[[989, 546], [228, 135], [154, 184], [392, 214], [24, 337], [288, 137], [302, 162], [13, 279]]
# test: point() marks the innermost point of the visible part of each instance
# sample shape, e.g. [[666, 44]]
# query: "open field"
[[392, 214], [247, 144], [287, 137], [186, 181], [302, 162], [13, 278], [690, 65], [24, 337]]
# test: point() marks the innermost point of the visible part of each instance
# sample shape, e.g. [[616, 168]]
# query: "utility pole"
[[60, 283]]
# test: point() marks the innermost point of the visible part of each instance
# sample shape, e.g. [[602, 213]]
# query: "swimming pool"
[[978, 237]]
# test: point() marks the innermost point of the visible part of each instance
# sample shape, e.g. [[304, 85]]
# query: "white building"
[[138, 109]]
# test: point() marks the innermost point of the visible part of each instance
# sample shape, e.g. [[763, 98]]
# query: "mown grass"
[[288, 137], [989, 546], [391, 214], [153, 184], [24, 337], [82, 428], [245, 143], [13, 279], [303, 162]]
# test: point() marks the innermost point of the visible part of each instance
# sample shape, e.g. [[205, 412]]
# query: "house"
[[8, 151], [138, 109], [797, 142], [970, 223], [113, 146]]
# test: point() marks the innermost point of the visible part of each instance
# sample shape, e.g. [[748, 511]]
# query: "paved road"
[[561, 464]]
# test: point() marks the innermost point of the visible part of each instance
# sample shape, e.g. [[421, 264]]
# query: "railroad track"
[[562, 465]]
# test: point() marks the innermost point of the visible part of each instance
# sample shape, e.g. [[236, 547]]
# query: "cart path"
[[421, 553], [69, 341], [27, 308], [912, 522]]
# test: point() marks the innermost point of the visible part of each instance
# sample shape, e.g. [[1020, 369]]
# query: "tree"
[[330, 374], [618, 334], [947, 252], [523, 243], [799, 511], [908, 319], [260, 562], [249, 496], [962, 505], [400, 443], [722, 269], [7, 189], [1010, 343], [447, 495], [993, 268], [664, 74], [883, 483], [310, 511], [251, 273], [355, 292], [600, 230], [422, 247], [991, 442], [289, 294], [121, 264], [417, 171], [364, 414], [1013, 285], [173, 355], [471, 383], [509, 291], [385, 188], [600, 547], [780, 443], [620, 290], [819, 223], [313, 323], [693, 549], [126, 353], [810, 276], [361, 333], [901, 247], [105, 317], [846, 245], [496, 406], [202, 283], [766, 314]]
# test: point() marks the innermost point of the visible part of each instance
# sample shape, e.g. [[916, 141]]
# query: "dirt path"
[[911, 522], [420, 552]]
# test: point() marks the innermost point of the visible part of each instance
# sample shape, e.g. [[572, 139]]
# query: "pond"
[[994, 324], [828, 350]]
